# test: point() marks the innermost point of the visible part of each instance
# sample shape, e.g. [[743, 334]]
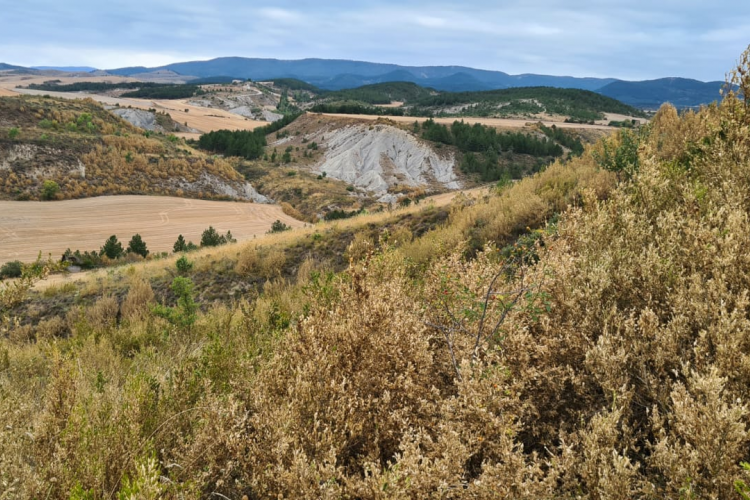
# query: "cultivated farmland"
[[26, 228]]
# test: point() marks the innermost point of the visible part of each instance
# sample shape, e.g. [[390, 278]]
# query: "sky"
[[632, 40]]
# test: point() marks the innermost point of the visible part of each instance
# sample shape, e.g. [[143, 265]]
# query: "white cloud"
[[637, 39], [431, 22], [280, 15]]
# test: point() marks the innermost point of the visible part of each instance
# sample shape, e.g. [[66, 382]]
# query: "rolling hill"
[[381, 93], [575, 104]]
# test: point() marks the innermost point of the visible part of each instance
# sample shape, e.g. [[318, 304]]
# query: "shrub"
[[212, 238], [13, 132], [136, 304], [278, 227], [12, 269], [184, 266], [50, 189], [184, 314]]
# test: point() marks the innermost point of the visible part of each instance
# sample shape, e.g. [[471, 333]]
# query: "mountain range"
[[337, 74]]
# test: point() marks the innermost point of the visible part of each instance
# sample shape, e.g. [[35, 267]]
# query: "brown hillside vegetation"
[[90, 152], [604, 354]]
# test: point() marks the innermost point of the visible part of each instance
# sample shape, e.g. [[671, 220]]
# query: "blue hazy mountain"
[[70, 69], [681, 92], [336, 74]]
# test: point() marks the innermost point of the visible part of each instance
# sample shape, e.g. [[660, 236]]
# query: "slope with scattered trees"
[[61, 149]]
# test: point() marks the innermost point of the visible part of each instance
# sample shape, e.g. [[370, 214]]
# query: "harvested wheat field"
[[490, 122], [28, 227]]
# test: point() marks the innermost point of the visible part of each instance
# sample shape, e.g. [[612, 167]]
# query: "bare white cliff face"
[[376, 157]]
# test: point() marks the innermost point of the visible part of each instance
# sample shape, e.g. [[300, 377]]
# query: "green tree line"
[[482, 146], [248, 144]]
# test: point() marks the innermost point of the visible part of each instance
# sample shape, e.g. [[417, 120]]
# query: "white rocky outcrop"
[[376, 157], [139, 117]]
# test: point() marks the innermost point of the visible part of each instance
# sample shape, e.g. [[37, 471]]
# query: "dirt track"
[[28, 227]]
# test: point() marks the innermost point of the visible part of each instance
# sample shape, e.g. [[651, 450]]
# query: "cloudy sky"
[[634, 39]]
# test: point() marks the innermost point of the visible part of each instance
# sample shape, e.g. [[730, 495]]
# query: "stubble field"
[[28, 227]]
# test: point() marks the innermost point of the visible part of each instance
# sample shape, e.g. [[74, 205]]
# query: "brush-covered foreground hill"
[[88, 151], [604, 354]]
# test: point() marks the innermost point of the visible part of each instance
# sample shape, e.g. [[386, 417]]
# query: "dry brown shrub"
[[21, 334], [103, 314], [291, 211], [360, 246], [263, 262], [139, 298], [52, 328], [400, 236]]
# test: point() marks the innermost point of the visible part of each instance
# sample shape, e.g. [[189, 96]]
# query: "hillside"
[[580, 333], [385, 161], [87, 151], [576, 104], [680, 92], [381, 93]]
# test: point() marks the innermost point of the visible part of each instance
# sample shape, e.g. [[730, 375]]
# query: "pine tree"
[[180, 245], [138, 246], [112, 248]]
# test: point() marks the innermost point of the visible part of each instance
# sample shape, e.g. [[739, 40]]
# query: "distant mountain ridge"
[[338, 74], [73, 69], [4, 66], [681, 92]]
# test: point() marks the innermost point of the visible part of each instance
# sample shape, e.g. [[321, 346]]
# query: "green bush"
[[12, 269], [185, 313], [184, 266], [278, 227], [50, 190], [212, 238]]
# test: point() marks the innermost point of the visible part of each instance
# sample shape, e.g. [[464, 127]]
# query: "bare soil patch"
[[28, 227]]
